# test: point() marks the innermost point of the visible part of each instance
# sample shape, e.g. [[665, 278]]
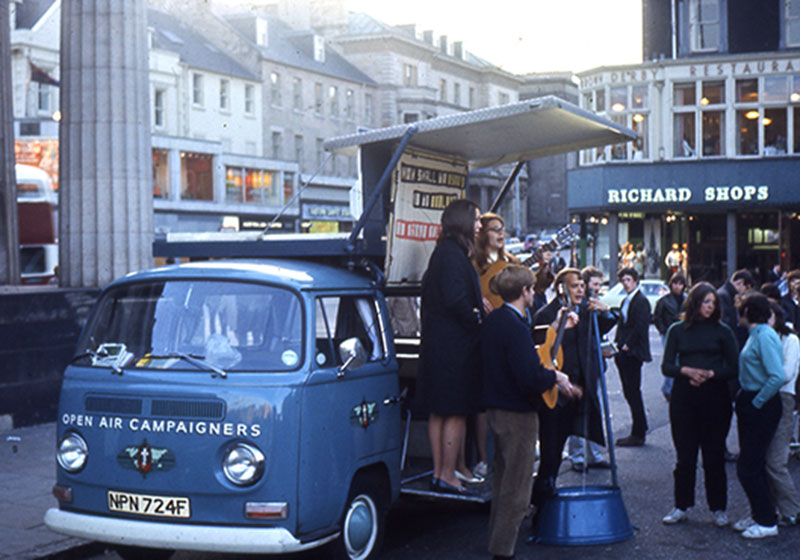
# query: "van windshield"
[[233, 326]]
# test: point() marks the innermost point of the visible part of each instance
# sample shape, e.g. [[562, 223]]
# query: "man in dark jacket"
[[740, 282], [790, 303], [633, 341], [668, 308], [514, 379]]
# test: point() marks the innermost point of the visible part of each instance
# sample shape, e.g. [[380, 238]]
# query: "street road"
[[424, 530]]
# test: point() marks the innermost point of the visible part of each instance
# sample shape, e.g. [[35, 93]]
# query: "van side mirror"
[[353, 355]]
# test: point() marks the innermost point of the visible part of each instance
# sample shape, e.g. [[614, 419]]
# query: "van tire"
[[142, 553], [363, 521]]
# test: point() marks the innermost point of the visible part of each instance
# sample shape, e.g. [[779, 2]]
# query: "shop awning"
[[496, 135], [39, 75]]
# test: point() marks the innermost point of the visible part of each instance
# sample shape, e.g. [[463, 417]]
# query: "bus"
[[37, 211]]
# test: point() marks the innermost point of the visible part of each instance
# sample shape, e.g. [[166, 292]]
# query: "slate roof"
[[364, 24], [194, 50], [296, 48], [29, 12]]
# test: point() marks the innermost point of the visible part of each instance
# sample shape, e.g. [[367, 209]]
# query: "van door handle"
[[392, 400]]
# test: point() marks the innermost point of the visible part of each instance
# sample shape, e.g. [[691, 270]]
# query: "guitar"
[[551, 354], [563, 236]]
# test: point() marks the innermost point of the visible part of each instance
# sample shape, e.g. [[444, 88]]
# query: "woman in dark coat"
[[450, 355]]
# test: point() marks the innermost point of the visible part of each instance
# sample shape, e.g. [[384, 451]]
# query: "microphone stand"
[[606, 413]]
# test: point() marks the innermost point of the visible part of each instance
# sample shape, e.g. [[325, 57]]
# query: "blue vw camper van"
[[251, 401]]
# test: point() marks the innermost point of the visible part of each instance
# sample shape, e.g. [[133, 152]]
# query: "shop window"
[[747, 132], [600, 100], [618, 98], [713, 93], [775, 89], [261, 187], [796, 129], [640, 146], [197, 181], [639, 97], [747, 91], [619, 151], [684, 135], [774, 122], [704, 25], [683, 94], [234, 179], [161, 174], [288, 186], [792, 23], [713, 123]]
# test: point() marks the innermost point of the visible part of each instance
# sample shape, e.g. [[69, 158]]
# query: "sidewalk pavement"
[[27, 475]]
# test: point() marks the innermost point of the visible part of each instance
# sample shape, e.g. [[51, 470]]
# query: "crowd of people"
[[725, 350]]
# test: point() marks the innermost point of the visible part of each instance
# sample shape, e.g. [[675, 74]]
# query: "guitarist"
[[491, 256], [580, 416], [513, 380]]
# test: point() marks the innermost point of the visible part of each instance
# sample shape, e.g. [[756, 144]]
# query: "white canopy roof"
[[509, 133]]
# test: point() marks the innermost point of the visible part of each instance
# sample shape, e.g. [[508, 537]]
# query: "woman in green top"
[[701, 354], [758, 410]]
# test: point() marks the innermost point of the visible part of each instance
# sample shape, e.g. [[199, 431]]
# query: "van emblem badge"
[[145, 458], [364, 414]]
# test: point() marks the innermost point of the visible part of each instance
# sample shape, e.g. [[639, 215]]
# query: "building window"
[[747, 132], [333, 102], [457, 93], [747, 91], [619, 151], [442, 90], [320, 151], [792, 23], [160, 174], [640, 148], [43, 98], [249, 99], [713, 123], [472, 98], [350, 104], [277, 145], [775, 130], [224, 95], [775, 89], [297, 94], [369, 109], [288, 186], [410, 76], [197, 90], [275, 89], [158, 108], [298, 150], [683, 94], [704, 25], [197, 179], [318, 101], [600, 100], [504, 98], [234, 180], [639, 97], [713, 93], [253, 186], [619, 99], [410, 118], [683, 135]]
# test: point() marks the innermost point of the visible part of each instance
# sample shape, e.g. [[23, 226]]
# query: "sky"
[[524, 36]]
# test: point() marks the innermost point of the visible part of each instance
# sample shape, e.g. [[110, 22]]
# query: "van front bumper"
[[210, 538]]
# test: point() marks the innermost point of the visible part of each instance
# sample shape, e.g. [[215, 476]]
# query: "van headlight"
[[72, 452], [243, 464]]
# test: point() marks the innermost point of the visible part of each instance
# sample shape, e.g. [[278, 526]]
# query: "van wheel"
[[363, 521], [141, 553]]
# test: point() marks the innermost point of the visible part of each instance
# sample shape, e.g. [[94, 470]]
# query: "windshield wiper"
[[195, 360]]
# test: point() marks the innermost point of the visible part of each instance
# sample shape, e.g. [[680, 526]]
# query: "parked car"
[[652, 289]]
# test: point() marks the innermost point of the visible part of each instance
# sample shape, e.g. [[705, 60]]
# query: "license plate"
[[143, 504]]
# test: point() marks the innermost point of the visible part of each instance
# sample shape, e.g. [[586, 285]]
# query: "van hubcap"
[[360, 527]]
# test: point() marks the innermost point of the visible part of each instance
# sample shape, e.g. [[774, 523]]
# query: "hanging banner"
[[423, 185]]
